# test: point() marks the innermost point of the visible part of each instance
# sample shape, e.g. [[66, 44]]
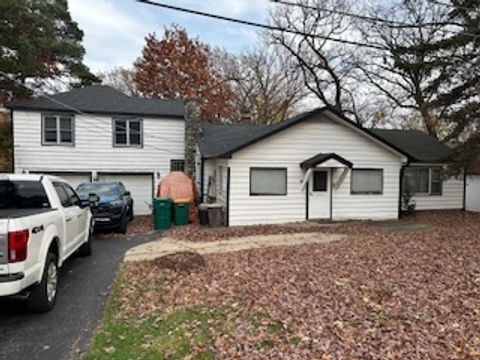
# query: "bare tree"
[[267, 85], [120, 78], [326, 66], [430, 71]]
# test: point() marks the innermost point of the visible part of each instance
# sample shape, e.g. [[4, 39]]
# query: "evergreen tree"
[[38, 41]]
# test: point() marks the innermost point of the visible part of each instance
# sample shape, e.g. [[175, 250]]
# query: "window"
[[320, 181], [423, 180], [268, 181], [57, 129], [62, 195], [367, 181], [177, 165], [73, 197], [22, 195], [127, 132]]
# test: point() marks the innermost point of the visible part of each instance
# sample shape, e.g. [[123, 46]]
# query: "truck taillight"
[[17, 245]]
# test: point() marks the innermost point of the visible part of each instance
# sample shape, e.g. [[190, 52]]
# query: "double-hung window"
[[128, 132], [367, 181], [423, 180], [268, 181], [57, 129]]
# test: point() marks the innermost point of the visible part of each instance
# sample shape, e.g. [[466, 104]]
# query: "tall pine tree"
[[39, 40]]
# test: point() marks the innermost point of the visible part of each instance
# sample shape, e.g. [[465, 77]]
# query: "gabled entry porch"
[[323, 173]]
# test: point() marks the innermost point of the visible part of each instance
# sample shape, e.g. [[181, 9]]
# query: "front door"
[[319, 199]]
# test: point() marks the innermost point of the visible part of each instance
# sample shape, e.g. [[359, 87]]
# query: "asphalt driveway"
[[65, 332]]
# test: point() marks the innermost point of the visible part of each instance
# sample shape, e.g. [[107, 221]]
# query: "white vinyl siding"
[[292, 146], [93, 151]]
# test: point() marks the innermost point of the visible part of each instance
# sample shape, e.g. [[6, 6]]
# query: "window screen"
[[367, 181], [320, 181], [268, 181]]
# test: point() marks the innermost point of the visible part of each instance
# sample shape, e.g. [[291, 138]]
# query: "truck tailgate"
[[3, 246]]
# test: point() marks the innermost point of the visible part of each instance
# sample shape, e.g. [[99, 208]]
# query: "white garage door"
[[473, 193], [74, 179], [140, 186]]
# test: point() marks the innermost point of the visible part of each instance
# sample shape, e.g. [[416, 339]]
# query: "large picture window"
[[57, 129], [127, 132], [268, 181], [367, 181], [423, 180]]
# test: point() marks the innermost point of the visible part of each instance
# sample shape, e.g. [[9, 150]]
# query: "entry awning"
[[326, 160]]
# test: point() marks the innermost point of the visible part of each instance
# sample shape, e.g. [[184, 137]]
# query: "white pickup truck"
[[42, 223]]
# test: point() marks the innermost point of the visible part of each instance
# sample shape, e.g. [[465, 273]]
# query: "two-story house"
[[97, 133]]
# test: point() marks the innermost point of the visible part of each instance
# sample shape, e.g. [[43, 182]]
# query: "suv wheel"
[[122, 227], [43, 296]]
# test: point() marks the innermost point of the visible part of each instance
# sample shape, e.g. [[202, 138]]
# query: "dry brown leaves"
[[378, 295]]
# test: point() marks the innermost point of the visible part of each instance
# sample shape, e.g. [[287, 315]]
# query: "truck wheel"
[[86, 248], [122, 227], [43, 296]]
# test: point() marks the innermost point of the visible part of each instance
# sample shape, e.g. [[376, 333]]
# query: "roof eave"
[[66, 110]]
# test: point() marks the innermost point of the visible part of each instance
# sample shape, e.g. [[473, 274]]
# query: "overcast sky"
[[115, 29]]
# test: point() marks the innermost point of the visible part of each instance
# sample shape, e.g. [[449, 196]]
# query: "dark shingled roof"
[[221, 140], [321, 158], [101, 99], [417, 144]]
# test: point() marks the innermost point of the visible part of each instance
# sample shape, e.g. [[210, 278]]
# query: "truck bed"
[[16, 213]]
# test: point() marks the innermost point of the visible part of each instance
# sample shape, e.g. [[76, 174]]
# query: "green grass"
[[170, 336]]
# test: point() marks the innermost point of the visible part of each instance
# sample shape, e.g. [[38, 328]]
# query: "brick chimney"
[[192, 129]]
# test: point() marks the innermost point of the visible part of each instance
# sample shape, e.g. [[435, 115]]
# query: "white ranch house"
[[317, 165], [320, 165]]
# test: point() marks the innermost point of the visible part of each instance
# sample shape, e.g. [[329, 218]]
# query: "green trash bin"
[[162, 210], [180, 213]]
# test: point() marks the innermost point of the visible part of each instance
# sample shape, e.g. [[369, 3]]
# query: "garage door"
[[74, 179], [139, 185], [473, 193]]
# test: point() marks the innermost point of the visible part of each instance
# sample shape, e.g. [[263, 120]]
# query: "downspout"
[[12, 139], [306, 201], [402, 170], [202, 180], [464, 205], [227, 210], [331, 194]]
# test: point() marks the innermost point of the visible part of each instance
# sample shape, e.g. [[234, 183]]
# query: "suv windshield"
[[23, 195], [105, 189]]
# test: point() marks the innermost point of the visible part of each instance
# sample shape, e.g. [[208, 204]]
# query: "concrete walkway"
[[167, 246]]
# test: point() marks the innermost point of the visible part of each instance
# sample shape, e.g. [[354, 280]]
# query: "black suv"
[[115, 207]]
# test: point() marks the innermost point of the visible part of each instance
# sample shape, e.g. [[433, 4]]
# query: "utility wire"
[[259, 25], [90, 123], [390, 23]]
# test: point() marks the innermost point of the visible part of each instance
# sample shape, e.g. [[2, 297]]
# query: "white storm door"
[[319, 199]]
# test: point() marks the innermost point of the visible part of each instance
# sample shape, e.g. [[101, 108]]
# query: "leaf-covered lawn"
[[378, 295]]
